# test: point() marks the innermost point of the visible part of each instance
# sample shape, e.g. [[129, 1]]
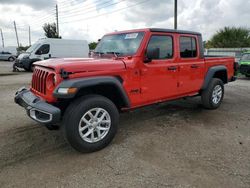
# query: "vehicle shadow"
[[31, 140]]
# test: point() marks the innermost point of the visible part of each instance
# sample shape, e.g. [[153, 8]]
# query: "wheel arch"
[[215, 72], [107, 86]]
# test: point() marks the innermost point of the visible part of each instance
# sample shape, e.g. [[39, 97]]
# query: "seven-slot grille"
[[245, 69], [39, 80]]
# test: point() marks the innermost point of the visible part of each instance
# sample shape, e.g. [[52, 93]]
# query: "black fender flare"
[[81, 83], [210, 74]]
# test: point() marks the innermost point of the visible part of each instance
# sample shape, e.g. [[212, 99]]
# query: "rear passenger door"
[[191, 64]]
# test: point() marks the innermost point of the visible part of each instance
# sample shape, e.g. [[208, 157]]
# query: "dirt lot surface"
[[176, 144]]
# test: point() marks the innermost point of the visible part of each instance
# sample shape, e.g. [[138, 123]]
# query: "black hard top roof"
[[173, 31]]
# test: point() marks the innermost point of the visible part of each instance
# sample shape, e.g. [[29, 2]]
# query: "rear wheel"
[[212, 96], [90, 123]]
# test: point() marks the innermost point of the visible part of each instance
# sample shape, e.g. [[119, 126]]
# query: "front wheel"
[[90, 123], [213, 95]]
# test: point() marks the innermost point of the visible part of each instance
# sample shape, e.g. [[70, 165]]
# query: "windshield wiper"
[[115, 53], [99, 53]]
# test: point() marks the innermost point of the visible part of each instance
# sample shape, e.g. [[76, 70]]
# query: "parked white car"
[[52, 48], [7, 56]]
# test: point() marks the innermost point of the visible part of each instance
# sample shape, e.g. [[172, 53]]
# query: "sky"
[[91, 19]]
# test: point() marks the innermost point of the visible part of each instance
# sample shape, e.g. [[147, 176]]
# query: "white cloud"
[[90, 19]]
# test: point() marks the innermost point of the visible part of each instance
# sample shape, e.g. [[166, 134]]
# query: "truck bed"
[[227, 61]]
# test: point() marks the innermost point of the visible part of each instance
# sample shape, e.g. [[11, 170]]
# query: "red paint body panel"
[[154, 81]]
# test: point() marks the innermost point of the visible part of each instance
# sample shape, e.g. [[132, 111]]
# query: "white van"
[[52, 48]]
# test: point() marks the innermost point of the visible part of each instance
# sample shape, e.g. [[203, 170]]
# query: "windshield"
[[33, 47], [120, 44], [245, 57]]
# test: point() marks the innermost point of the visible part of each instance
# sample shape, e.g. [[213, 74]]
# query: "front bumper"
[[23, 63], [245, 69], [36, 108]]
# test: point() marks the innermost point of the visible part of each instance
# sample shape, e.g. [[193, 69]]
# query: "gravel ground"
[[175, 144]]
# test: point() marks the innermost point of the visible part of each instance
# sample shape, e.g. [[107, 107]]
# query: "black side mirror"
[[153, 53]]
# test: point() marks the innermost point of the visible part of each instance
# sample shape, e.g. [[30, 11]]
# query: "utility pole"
[[16, 34], [29, 37], [2, 38], [175, 14], [57, 23]]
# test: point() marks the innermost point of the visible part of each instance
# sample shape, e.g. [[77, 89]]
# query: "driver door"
[[43, 52]]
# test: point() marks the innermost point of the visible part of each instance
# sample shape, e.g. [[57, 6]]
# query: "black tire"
[[11, 59], [75, 112], [207, 94]]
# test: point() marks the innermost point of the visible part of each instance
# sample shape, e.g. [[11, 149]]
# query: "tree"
[[230, 37], [92, 45], [22, 48], [50, 30]]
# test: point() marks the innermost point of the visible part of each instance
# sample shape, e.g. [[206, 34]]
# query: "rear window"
[[188, 47]]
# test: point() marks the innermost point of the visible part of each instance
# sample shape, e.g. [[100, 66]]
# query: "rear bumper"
[[36, 108]]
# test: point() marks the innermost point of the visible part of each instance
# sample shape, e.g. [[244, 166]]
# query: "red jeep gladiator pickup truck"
[[128, 69]]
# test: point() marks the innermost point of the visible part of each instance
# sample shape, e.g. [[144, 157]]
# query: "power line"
[[43, 18], [92, 17], [66, 1], [85, 6], [66, 4], [79, 13]]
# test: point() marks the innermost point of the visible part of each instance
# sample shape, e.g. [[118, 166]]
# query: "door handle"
[[195, 66], [172, 68]]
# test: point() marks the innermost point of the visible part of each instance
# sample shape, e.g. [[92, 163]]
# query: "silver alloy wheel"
[[94, 125], [217, 94]]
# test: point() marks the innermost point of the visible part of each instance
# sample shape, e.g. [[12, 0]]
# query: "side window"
[[188, 47], [165, 45], [44, 49]]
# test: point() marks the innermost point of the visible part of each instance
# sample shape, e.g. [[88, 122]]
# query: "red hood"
[[82, 64]]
